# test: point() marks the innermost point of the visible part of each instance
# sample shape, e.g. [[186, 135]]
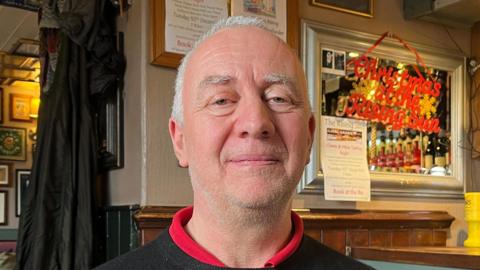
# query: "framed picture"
[[22, 181], [160, 38], [1, 105], [5, 172], [357, 7], [3, 207], [20, 107], [13, 143]]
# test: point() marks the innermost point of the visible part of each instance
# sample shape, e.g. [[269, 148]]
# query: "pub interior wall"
[[23, 89], [151, 175]]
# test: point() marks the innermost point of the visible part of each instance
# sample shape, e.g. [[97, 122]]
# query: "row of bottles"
[[410, 154]]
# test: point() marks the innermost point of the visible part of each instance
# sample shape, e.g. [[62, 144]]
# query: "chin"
[[261, 199]]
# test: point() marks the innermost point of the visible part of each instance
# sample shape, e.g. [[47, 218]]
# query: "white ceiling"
[[16, 23]]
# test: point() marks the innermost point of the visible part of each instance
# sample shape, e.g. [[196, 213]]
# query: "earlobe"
[[176, 135], [311, 133]]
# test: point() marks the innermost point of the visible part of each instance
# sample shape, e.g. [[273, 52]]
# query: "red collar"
[[193, 249]]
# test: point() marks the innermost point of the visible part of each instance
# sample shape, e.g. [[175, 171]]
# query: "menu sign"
[[344, 165]]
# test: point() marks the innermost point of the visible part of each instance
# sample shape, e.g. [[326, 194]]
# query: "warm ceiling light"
[[353, 54]]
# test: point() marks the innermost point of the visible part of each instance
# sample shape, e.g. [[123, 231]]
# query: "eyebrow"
[[215, 80], [282, 79]]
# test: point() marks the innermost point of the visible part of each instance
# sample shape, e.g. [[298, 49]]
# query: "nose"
[[255, 120]]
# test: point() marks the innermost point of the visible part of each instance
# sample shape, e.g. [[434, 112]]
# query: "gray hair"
[[230, 22]]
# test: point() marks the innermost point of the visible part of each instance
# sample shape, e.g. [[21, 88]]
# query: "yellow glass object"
[[472, 217], [34, 104]]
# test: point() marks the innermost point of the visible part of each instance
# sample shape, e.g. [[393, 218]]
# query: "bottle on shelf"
[[390, 163], [439, 159], [429, 152], [416, 157], [408, 158], [381, 157], [399, 157]]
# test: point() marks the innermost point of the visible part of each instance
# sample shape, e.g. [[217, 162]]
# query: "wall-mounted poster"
[[13, 143], [273, 12], [22, 181]]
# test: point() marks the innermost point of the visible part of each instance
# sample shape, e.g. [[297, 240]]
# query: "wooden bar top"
[[460, 257]]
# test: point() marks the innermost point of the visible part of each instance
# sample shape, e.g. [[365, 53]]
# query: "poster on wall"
[[273, 12], [344, 161], [186, 21]]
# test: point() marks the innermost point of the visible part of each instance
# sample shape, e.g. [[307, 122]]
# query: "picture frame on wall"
[[5, 175], [13, 143], [357, 7], [3, 207], [20, 107], [159, 38], [22, 181]]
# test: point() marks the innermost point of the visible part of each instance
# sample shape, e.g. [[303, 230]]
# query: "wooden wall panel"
[[340, 229]]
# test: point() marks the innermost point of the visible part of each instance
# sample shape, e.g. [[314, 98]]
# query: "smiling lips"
[[253, 160]]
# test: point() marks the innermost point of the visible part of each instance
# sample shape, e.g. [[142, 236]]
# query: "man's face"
[[247, 128]]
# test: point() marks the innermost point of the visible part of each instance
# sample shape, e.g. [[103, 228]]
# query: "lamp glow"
[[34, 105]]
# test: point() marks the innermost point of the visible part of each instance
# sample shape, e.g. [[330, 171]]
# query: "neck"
[[242, 238]]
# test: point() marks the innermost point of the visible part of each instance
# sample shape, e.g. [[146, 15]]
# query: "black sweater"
[[163, 253]]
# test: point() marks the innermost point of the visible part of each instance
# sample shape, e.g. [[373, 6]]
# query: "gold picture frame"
[[161, 57], [5, 174], [362, 8], [20, 107]]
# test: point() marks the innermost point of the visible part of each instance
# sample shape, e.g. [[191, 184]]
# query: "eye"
[[222, 104], [278, 100], [221, 101]]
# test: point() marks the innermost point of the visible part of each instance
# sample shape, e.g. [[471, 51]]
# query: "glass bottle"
[[429, 152], [440, 153]]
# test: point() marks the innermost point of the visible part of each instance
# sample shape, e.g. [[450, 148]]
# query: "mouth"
[[254, 160]]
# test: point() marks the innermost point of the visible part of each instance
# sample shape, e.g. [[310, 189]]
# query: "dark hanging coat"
[[57, 219]]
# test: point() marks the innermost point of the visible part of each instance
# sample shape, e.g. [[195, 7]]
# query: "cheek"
[[294, 134], [205, 140]]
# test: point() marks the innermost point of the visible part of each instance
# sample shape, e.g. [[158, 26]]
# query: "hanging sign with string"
[[392, 96]]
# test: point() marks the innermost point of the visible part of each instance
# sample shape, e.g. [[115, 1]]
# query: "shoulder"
[[314, 255], [150, 256]]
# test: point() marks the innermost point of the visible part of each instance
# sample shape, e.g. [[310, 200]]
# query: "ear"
[[178, 141], [311, 133]]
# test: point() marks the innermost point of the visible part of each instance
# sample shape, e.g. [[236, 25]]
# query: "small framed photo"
[[5, 172], [20, 107], [357, 7], [13, 143], [340, 61], [22, 181], [333, 61], [3, 207], [327, 58]]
